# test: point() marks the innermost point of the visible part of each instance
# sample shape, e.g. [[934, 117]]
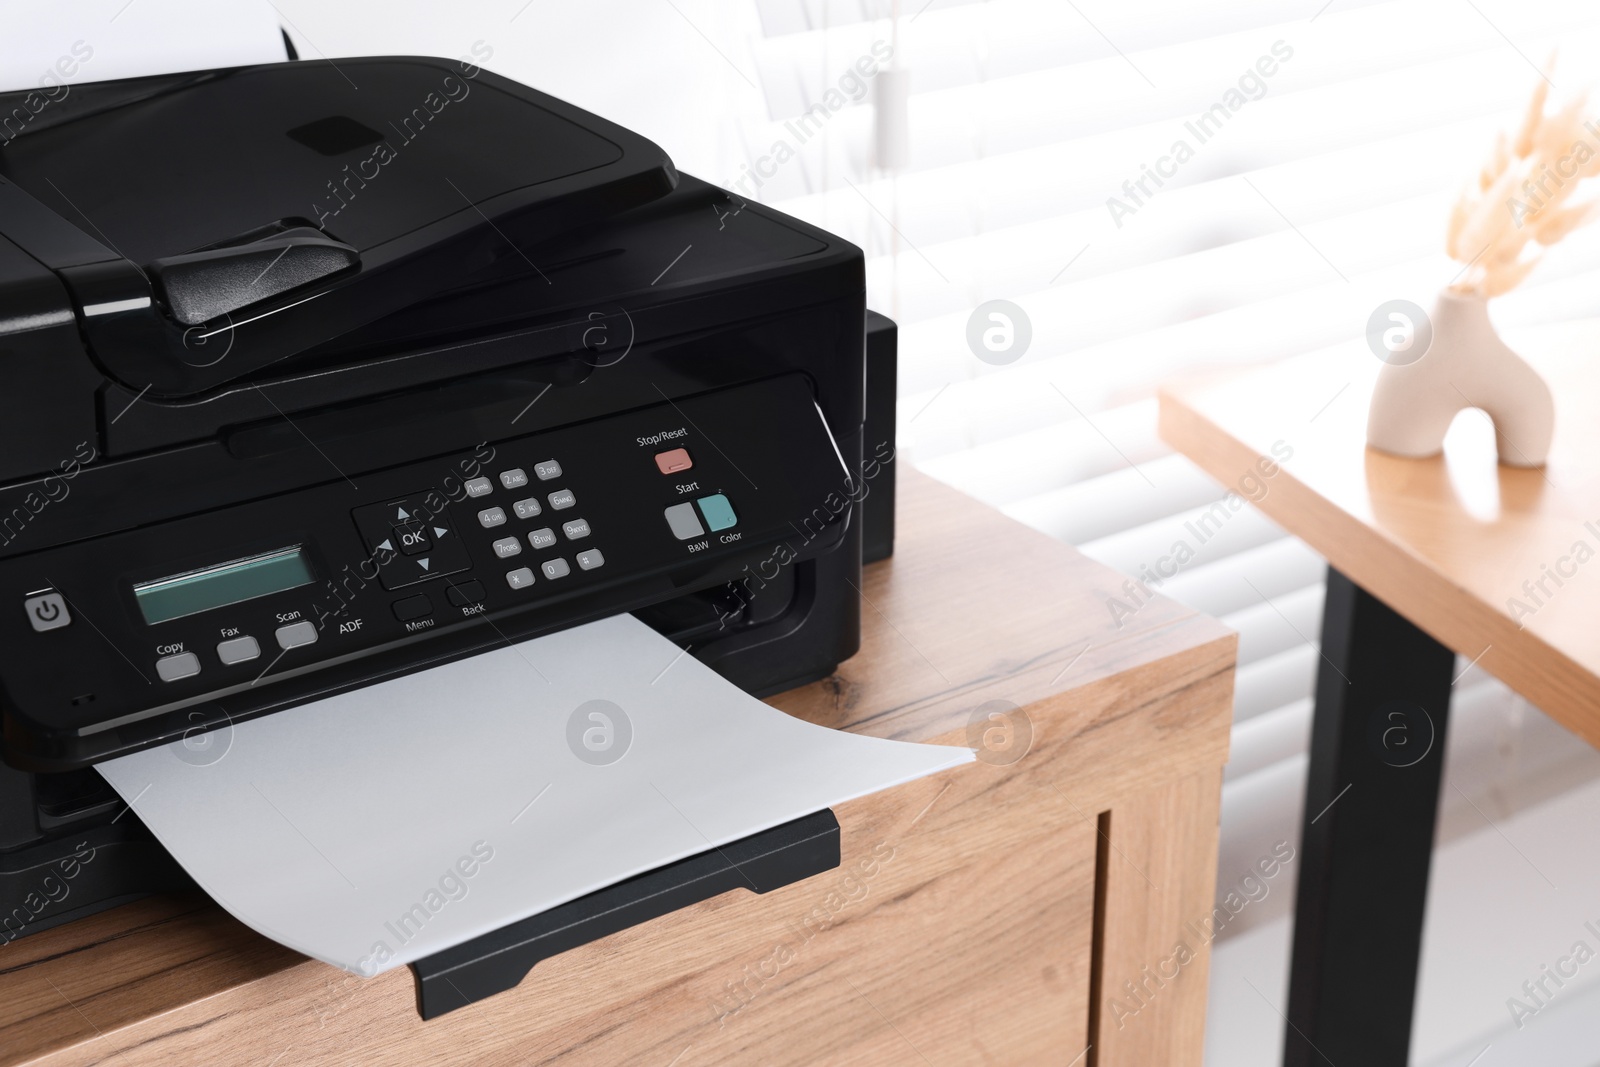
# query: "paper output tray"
[[499, 961]]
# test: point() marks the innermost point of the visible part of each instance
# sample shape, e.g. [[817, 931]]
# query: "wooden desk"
[[1426, 558], [988, 915]]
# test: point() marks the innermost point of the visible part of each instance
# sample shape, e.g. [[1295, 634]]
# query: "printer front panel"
[[130, 639]]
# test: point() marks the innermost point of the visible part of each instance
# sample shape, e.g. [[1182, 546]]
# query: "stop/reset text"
[[664, 435]]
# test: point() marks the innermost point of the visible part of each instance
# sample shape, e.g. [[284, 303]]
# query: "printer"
[[304, 387]]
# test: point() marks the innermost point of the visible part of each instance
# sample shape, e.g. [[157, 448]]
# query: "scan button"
[[296, 634]]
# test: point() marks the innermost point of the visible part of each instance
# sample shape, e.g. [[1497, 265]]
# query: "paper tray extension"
[[496, 962]]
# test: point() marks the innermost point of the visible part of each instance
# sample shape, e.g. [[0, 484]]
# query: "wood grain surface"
[[1498, 563], [961, 927]]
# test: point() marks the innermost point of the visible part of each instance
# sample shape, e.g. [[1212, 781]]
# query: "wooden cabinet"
[[988, 915]]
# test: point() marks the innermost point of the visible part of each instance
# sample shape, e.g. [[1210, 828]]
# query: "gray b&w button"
[[555, 568], [684, 522]]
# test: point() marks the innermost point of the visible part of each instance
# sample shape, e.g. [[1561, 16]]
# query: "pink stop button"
[[674, 461]]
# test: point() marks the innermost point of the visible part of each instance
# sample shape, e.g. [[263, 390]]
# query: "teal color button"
[[718, 512]]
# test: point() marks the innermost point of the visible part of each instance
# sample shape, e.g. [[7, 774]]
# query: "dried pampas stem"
[[1521, 196]]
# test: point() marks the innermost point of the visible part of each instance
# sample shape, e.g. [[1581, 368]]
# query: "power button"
[[47, 611]]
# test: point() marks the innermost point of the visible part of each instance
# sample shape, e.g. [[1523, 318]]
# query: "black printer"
[[315, 375]]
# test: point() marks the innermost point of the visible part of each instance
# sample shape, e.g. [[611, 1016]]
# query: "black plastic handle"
[[499, 961], [200, 286]]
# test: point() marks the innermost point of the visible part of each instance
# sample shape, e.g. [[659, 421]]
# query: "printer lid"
[[284, 205]]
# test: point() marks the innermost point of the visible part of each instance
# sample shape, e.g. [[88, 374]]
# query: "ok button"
[[413, 539]]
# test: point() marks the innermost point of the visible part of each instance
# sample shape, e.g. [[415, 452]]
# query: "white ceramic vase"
[[1465, 365]]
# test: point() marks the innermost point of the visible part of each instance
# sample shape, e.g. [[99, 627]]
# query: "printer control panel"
[[271, 602]]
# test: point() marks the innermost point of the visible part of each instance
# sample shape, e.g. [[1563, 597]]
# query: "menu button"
[[413, 607]]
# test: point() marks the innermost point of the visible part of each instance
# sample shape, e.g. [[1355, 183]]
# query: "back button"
[[465, 593]]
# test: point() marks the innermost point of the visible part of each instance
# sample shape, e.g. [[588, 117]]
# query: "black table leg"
[[1377, 750]]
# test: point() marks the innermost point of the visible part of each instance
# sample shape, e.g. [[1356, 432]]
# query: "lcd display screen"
[[224, 584]]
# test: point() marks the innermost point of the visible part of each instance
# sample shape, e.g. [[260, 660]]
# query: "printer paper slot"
[[380, 826]]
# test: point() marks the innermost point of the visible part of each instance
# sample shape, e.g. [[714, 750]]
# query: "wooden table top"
[[973, 607], [1456, 543]]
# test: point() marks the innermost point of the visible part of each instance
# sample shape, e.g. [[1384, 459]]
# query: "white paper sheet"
[[379, 826]]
